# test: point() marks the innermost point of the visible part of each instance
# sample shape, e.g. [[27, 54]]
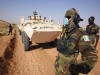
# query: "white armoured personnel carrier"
[[39, 30]]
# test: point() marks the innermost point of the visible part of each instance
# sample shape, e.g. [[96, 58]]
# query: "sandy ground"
[[15, 61]]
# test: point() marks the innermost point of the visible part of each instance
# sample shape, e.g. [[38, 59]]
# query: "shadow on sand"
[[42, 46]]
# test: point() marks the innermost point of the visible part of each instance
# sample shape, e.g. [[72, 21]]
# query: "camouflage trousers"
[[63, 62]]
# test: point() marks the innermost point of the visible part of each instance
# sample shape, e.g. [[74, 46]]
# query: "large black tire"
[[25, 41]]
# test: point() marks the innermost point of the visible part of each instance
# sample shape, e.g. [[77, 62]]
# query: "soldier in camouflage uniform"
[[75, 41], [10, 29], [93, 31]]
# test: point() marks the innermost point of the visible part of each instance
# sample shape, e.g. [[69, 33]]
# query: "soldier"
[[93, 31], [10, 29], [75, 41]]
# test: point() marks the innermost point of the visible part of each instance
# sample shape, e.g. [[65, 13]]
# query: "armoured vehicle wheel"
[[25, 41]]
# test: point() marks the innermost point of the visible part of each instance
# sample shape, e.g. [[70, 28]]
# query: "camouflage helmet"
[[71, 12]]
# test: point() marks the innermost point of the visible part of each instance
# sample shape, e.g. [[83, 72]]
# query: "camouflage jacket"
[[92, 29], [78, 41], [69, 43]]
